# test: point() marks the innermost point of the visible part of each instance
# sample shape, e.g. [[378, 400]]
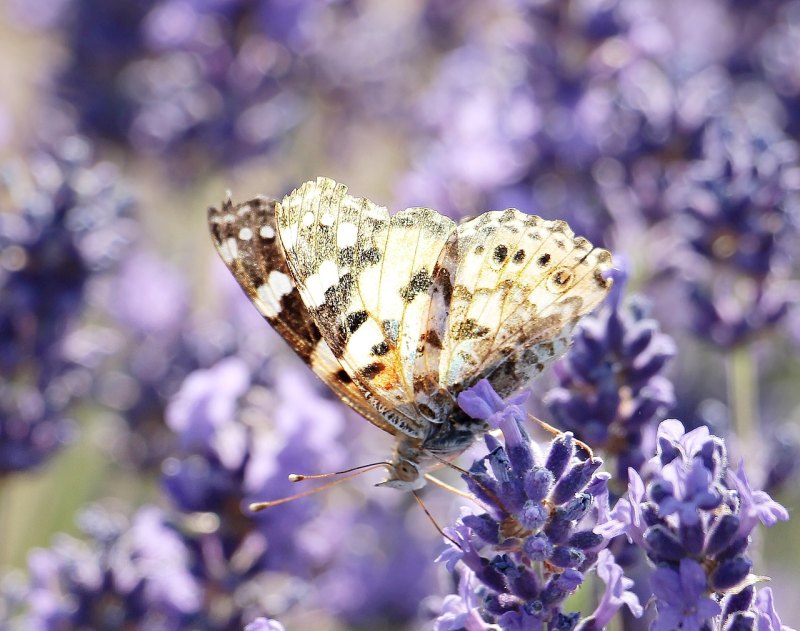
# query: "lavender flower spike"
[[533, 546]]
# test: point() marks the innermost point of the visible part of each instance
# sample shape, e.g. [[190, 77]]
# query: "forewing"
[[520, 285], [245, 236], [367, 279]]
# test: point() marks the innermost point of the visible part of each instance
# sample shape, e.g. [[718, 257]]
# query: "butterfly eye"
[[406, 471], [559, 280]]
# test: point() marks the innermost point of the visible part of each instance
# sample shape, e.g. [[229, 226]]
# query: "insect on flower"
[[399, 314]]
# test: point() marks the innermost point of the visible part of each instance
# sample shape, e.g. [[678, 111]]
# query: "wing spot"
[[479, 250], [419, 283], [432, 338], [543, 260], [500, 253], [308, 219], [346, 235], [373, 370], [559, 280], [326, 219], [342, 376], [519, 256], [266, 232], [469, 329], [245, 234], [369, 256], [355, 320], [346, 256], [380, 349]]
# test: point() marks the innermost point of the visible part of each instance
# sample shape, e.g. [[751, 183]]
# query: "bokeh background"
[[142, 399]]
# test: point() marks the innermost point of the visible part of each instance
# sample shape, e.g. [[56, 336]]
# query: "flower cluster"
[[66, 219], [133, 573], [738, 206], [537, 531], [611, 384], [694, 520]]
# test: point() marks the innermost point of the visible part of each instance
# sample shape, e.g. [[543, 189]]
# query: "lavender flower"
[[737, 222], [617, 594], [538, 528], [681, 597], [611, 383], [694, 522], [126, 574], [67, 221], [239, 438]]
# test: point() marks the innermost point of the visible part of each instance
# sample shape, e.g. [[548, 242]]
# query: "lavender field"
[[144, 402]]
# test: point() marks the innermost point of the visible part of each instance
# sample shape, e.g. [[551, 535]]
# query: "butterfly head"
[[406, 473]]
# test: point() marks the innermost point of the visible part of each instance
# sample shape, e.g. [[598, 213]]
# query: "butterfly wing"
[[368, 280], [246, 238], [520, 285]]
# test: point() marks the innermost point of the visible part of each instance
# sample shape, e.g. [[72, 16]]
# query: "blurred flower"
[[737, 221], [239, 439], [66, 219], [135, 573], [262, 624]]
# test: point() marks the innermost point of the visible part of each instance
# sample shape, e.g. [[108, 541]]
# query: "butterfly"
[[398, 314]]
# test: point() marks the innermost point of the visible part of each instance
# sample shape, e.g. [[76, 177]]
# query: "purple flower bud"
[[533, 515], [730, 573], [664, 544], [561, 451], [538, 547], [538, 483], [722, 534], [566, 556], [575, 480]]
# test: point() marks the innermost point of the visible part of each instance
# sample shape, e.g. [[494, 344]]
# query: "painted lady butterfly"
[[398, 314]]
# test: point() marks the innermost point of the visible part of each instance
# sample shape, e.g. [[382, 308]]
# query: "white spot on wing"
[[245, 234], [270, 293], [346, 235], [280, 283], [326, 219], [266, 232], [317, 284], [228, 250], [308, 219]]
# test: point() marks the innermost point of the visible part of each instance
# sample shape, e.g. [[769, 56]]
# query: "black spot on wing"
[[519, 256], [543, 260], [500, 253], [469, 329], [419, 283], [355, 320], [372, 370], [370, 256], [380, 349]]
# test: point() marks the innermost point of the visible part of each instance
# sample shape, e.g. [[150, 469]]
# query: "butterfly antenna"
[[433, 521], [295, 477], [557, 432], [299, 477]]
